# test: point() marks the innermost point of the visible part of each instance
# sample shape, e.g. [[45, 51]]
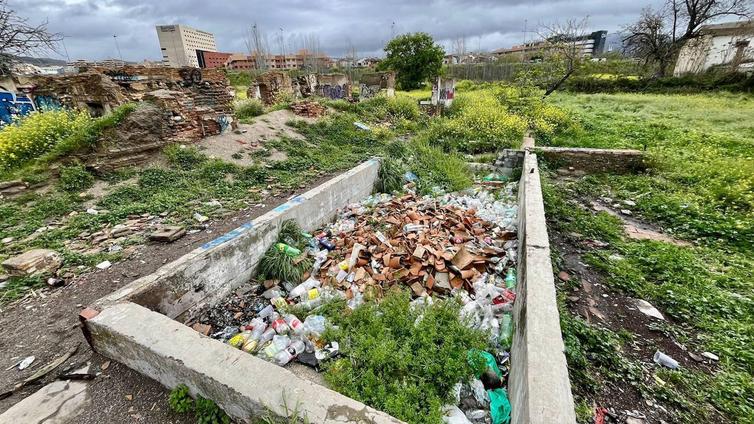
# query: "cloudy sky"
[[89, 25]]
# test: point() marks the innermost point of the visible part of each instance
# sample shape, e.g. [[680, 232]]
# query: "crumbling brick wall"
[[274, 87], [134, 141]]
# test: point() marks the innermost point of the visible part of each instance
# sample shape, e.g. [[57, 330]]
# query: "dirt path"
[[47, 327]]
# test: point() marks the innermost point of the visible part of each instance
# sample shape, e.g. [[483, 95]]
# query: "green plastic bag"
[[489, 362], [500, 407]]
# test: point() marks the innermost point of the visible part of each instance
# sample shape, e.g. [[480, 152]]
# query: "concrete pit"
[[141, 324]]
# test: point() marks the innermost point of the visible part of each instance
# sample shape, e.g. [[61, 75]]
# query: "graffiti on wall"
[[45, 103], [443, 92], [334, 92], [368, 91], [13, 105]]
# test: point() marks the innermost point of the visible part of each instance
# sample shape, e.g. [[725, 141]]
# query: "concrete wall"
[[213, 270], [593, 160], [539, 388], [134, 325]]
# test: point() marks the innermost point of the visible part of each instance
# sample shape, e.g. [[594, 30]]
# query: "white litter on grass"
[[710, 355], [199, 217], [104, 265], [646, 308]]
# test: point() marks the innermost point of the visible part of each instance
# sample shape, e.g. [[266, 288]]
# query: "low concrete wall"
[[540, 391], [134, 325], [594, 160], [243, 385], [213, 270]]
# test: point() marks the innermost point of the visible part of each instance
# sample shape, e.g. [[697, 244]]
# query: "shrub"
[[75, 178], [402, 360], [37, 134], [183, 157], [435, 167], [478, 123], [248, 108], [402, 108]]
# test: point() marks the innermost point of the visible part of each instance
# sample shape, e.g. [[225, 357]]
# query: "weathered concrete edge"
[[540, 390], [235, 237], [243, 385]]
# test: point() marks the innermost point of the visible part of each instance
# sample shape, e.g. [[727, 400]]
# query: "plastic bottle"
[[295, 324], [239, 339], [272, 293], [411, 228], [267, 335], [510, 279], [506, 331], [303, 288], [266, 312], [288, 250], [280, 326], [283, 357]]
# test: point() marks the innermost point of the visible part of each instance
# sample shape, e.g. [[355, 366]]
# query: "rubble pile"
[[309, 109], [460, 245]]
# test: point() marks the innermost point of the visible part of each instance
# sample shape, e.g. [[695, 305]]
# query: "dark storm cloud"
[[89, 25]]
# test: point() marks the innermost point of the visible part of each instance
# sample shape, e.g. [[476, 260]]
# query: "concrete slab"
[[56, 403]]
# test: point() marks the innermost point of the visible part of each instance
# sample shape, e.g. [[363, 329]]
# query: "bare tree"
[[459, 47], [564, 46], [658, 35], [19, 37]]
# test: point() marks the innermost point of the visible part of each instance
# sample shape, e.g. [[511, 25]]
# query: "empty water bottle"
[[506, 331]]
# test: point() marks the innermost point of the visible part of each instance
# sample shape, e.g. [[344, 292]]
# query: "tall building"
[[179, 44]]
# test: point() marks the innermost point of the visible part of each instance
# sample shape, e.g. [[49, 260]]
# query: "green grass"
[[702, 148], [699, 189]]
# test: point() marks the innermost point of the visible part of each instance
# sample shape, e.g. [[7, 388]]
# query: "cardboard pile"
[[424, 244], [309, 109]]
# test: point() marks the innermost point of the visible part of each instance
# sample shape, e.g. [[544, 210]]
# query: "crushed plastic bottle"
[[304, 287], [510, 279], [506, 331], [288, 250]]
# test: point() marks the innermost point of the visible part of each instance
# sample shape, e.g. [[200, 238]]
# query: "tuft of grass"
[[249, 108], [75, 177], [184, 157], [205, 410], [276, 264]]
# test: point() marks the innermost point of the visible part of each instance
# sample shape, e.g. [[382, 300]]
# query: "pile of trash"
[[460, 244], [309, 109]]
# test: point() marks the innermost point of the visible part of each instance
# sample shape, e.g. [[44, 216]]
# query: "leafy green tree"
[[415, 58]]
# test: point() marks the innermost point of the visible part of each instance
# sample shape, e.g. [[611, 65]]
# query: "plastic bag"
[[451, 414], [314, 325], [500, 407]]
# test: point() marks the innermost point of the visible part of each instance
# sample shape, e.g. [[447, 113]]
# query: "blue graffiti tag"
[[228, 236]]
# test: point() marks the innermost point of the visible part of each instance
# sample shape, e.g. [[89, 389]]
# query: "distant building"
[[591, 45], [239, 61], [212, 60], [729, 44], [179, 44]]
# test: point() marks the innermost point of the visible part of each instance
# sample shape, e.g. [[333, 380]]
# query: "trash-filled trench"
[[446, 246]]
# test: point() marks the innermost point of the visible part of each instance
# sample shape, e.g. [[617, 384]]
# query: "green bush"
[[53, 134], [180, 400], [710, 81], [399, 359], [248, 108], [36, 134], [402, 107], [75, 178], [436, 168]]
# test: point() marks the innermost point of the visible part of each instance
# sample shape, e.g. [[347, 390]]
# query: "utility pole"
[[392, 30], [523, 53], [282, 49], [115, 37], [67, 58]]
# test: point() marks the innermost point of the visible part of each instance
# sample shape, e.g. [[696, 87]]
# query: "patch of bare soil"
[[235, 146], [46, 326]]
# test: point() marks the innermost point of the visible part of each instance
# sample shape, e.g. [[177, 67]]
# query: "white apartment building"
[[179, 43]]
